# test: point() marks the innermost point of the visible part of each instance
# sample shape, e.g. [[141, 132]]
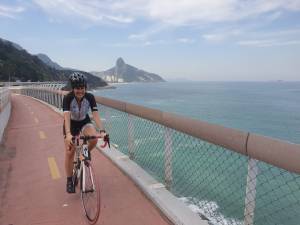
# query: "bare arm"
[[97, 120], [67, 117]]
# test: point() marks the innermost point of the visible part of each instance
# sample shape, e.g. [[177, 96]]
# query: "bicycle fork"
[[85, 165]]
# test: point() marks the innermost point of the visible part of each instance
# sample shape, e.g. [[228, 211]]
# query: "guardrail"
[[224, 174], [44, 83]]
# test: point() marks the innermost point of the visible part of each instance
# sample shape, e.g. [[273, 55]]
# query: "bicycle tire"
[[90, 197]]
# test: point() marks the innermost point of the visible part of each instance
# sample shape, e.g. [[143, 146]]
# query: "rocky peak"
[[120, 62], [123, 72]]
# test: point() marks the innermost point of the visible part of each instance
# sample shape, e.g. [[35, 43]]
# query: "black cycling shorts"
[[76, 126]]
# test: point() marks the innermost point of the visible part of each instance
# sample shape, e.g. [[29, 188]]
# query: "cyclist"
[[76, 106]]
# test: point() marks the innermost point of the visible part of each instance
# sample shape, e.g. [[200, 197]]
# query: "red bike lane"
[[32, 180]]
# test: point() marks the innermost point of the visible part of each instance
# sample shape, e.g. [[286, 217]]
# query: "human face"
[[79, 92]]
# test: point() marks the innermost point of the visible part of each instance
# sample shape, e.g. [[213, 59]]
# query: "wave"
[[210, 211]]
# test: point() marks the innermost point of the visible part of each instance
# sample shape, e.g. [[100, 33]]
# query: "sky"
[[205, 40]]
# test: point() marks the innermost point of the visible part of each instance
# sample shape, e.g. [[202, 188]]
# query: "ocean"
[[266, 108]]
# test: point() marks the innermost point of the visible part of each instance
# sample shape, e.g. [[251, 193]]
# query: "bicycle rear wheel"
[[90, 193]]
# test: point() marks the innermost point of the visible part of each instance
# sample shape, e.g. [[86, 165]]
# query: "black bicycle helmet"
[[77, 79]]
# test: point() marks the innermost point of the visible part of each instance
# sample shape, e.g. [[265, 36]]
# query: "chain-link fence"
[[220, 184], [212, 180]]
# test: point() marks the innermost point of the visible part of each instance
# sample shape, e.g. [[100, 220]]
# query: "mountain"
[[12, 43], [49, 62], [46, 59], [18, 64], [123, 72]]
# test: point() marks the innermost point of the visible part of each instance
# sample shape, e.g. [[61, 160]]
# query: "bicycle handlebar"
[[86, 138]]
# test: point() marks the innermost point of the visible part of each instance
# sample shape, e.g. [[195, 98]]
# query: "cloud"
[[279, 34], [94, 11], [250, 37], [268, 43], [183, 12], [222, 35], [180, 12], [271, 38], [74, 40], [145, 34], [274, 16], [141, 43], [161, 16], [185, 40], [214, 37], [10, 11]]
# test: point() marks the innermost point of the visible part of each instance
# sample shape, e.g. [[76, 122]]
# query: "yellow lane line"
[[42, 135], [36, 120], [53, 168]]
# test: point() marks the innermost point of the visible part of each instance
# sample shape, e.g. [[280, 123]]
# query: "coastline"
[[103, 87]]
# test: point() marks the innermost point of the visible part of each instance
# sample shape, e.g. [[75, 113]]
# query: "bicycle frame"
[[82, 150]]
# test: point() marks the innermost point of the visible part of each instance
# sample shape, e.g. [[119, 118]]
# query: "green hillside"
[[20, 65], [17, 64]]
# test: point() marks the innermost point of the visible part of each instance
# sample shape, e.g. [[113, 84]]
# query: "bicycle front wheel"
[[90, 193]]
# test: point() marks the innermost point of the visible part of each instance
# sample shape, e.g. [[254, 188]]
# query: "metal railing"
[[44, 83], [226, 175]]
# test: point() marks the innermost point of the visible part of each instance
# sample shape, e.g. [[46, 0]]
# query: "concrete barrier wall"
[[5, 109]]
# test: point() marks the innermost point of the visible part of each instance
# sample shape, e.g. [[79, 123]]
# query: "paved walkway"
[[31, 195]]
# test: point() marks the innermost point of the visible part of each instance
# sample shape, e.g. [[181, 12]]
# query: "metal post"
[[250, 192], [61, 97], [130, 136], [56, 100], [168, 158], [53, 97], [47, 96], [107, 119]]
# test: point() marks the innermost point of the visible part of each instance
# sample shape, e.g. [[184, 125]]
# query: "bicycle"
[[83, 173]]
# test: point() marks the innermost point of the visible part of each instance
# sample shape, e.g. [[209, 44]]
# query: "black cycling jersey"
[[79, 111]]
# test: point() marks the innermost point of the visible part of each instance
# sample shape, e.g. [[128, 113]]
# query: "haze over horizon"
[[191, 39]]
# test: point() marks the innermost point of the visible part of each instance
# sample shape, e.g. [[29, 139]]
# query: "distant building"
[[112, 79]]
